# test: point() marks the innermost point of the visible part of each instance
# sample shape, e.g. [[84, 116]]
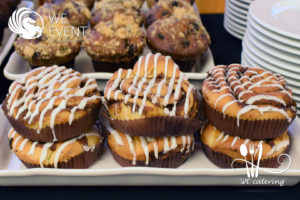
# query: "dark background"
[[226, 50]]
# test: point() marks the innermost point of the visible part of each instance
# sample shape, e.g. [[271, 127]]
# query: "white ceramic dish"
[[234, 12], [232, 32], [279, 16], [240, 4], [233, 25], [198, 170], [236, 8], [231, 14]]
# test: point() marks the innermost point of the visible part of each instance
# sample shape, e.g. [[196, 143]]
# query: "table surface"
[[226, 50]]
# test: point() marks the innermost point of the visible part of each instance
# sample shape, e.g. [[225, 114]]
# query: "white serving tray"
[[198, 170]]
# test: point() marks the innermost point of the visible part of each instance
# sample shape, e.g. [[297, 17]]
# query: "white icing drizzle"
[[220, 137], [246, 142], [221, 97], [22, 145], [278, 146], [187, 100], [234, 140], [131, 147], [145, 148], [31, 151], [60, 149], [115, 84], [166, 145], [183, 142], [253, 99], [44, 153], [173, 142], [225, 138], [16, 141], [114, 133], [188, 143]]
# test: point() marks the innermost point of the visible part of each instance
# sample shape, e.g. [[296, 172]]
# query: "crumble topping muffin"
[[88, 3], [184, 39], [168, 8], [248, 102], [150, 3], [51, 47], [222, 148], [79, 152], [52, 104], [115, 43], [137, 4]]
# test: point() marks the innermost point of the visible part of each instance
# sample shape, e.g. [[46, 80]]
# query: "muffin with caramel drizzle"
[[114, 44], [52, 47]]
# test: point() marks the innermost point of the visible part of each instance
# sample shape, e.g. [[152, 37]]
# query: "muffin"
[[88, 3], [248, 102], [52, 104], [150, 3], [127, 3], [222, 149], [52, 47], [75, 11], [115, 44], [185, 39], [79, 152], [168, 8], [154, 99], [105, 10]]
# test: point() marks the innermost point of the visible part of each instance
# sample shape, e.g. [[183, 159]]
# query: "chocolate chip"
[[160, 36], [36, 55], [132, 49], [195, 26], [66, 13], [175, 3], [53, 147], [165, 13], [185, 43]]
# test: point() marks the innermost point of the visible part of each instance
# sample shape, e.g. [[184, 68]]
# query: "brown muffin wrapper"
[[250, 129], [62, 131], [174, 160], [81, 161], [100, 66], [224, 161], [69, 64]]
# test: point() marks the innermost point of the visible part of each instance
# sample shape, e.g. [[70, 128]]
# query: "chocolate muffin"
[[248, 102], [52, 47], [222, 149], [115, 43], [79, 152], [167, 152], [52, 104], [185, 39], [105, 10], [168, 8], [75, 11], [150, 3], [154, 99]]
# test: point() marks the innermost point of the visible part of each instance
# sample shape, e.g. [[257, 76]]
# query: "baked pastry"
[[115, 44], [222, 149], [154, 99], [52, 47], [150, 3], [168, 152], [52, 104], [248, 102], [185, 39], [168, 8], [127, 3], [105, 10], [79, 152], [75, 11], [88, 3]]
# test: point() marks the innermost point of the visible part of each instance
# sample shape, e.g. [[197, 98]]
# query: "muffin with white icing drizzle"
[[222, 149], [248, 102], [79, 152], [52, 104], [154, 99]]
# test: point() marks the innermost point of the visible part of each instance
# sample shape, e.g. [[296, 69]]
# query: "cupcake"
[[150, 3], [224, 150], [106, 10], [167, 152], [115, 44], [52, 104], [127, 3], [168, 8], [79, 152], [52, 47], [185, 39], [154, 99], [248, 102], [75, 11]]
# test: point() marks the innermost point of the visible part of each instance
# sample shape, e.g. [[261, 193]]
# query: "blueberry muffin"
[[52, 104], [52, 47], [185, 39], [88, 3], [150, 3], [115, 43], [248, 102], [126, 3]]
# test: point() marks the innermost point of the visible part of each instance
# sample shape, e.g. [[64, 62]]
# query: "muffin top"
[[126, 3], [105, 10], [150, 3], [182, 38], [52, 44], [75, 11], [119, 40], [167, 8]]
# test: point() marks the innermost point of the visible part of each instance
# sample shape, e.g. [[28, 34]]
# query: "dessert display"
[[51, 47], [114, 44]]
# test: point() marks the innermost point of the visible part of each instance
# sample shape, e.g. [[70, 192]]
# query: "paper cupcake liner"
[[81, 161], [224, 161], [100, 66], [185, 65], [250, 129], [62, 131], [69, 64]]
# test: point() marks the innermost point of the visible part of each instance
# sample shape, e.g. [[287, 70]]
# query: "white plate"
[[242, 5], [236, 19], [234, 12], [236, 8], [280, 16], [233, 25], [231, 32], [198, 170]]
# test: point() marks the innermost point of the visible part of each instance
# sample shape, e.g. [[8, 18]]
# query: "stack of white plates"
[[272, 40], [235, 17]]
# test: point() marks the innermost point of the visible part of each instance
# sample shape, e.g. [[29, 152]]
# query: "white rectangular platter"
[[198, 170]]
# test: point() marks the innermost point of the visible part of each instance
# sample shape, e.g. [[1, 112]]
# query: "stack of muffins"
[[150, 114], [246, 106], [52, 111], [173, 28], [116, 39]]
